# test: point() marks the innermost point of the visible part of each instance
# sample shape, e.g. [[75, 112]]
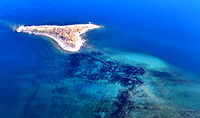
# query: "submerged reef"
[[90, 84], [95, 69]]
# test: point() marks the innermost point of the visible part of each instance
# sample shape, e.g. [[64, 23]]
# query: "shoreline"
[[61, 45], [68, 37]]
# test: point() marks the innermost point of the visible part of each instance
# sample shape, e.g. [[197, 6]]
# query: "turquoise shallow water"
[[159, 37]]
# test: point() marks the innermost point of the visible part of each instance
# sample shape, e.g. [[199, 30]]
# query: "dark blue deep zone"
[[167, 29]]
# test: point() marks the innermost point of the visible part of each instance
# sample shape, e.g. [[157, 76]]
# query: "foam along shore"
[[68, 37]]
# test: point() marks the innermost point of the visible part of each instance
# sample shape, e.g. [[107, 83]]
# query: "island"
[[68, 37]]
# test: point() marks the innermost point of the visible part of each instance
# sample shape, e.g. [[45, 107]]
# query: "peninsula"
[[68, 37]]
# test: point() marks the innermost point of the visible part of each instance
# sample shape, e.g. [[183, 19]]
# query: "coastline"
[[75, 32], [62, 46]]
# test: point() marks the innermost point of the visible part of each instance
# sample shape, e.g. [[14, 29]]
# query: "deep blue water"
[[167, 29]]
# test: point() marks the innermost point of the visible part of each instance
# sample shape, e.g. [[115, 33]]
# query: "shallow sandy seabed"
[[175, 91], [53, 92]]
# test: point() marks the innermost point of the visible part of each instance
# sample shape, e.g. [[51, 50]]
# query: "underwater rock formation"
[[97, 86], [90, 67], [93, 68]]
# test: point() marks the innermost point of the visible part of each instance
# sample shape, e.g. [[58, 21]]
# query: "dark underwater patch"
[[168, 77], [161, 74], [96, 68]]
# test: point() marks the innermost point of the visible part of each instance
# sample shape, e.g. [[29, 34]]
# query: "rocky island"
[[68, 37]]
